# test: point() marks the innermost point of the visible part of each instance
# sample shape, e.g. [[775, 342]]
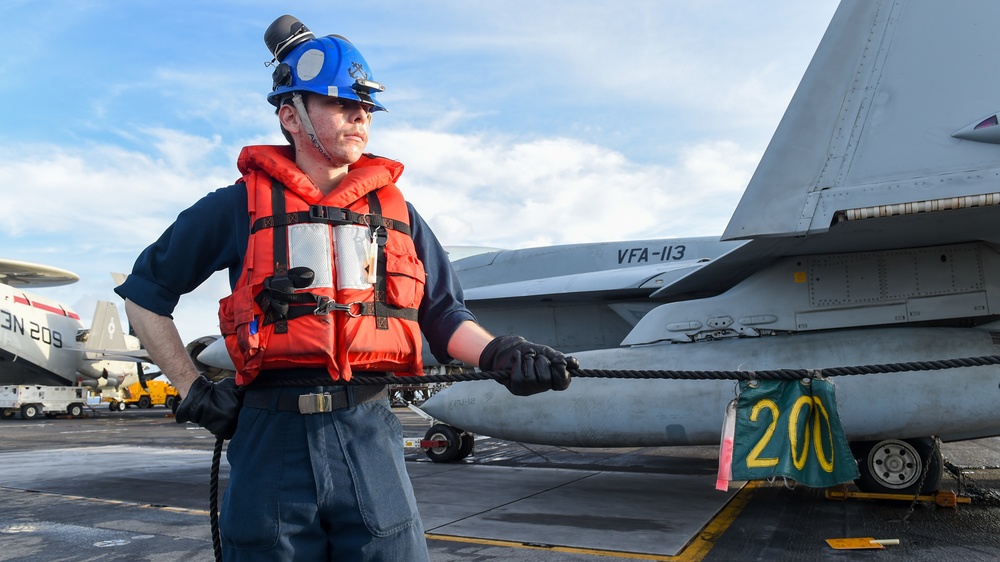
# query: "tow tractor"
[[156, 393]]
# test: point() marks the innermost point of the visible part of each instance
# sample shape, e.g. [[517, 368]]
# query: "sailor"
[[334, 276]]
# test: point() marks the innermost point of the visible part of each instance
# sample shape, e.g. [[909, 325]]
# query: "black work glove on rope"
[[533, 367], [214, 406]]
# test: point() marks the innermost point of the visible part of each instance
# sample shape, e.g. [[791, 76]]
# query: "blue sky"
[[520, 123]]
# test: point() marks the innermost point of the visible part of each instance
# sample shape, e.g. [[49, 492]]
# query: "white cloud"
[[110, 193], [475, 191]]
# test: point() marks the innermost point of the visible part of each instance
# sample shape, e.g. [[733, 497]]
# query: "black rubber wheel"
[[30, 411], [169, 403], [75, 410], [145, 402], [449, 452], [7, 414], [468, 442], [896, 466]]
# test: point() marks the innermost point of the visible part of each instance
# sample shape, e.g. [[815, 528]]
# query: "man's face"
[[341, 125]]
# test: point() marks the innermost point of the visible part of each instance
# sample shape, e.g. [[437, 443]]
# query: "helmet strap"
[[300, 108]]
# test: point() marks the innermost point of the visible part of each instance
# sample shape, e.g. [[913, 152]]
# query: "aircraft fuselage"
[[37, 339], [597, 412]]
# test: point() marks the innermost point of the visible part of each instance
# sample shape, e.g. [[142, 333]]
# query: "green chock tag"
[[791, 429]]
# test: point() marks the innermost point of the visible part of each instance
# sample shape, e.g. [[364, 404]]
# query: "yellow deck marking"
[[552, 548], [698, 548], [695, 551], [107, 501]]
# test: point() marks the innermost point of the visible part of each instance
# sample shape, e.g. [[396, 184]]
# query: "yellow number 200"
[[811, 425]]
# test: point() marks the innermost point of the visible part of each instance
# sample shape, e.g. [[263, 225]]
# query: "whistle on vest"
[[378, 238], [371, 263]]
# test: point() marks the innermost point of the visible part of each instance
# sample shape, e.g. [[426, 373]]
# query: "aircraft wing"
[[592, 272], [25, 274], [115, 355], [456, 253], [579, 296], [602, 285]]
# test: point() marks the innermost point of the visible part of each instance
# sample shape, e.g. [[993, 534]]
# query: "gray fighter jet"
[[867, 235]]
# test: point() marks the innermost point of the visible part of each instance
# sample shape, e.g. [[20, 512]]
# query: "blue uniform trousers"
[[314, 487]]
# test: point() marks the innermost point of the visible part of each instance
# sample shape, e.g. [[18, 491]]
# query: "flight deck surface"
[[134, 486]]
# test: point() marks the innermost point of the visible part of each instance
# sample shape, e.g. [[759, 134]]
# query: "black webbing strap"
[[384, 310], [376, 309], [329, 215], [275, 311], [280, 253], [379, 236]]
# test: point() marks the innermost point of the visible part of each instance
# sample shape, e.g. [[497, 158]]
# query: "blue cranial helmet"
[[329, 66]]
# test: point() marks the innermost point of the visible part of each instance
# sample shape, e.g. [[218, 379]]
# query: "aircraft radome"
[[867, 235], [43, 341]]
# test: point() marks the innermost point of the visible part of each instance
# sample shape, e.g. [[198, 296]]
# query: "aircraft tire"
[[30, 411], [895, 466], [451, 451], [75, 410], [468, 442]]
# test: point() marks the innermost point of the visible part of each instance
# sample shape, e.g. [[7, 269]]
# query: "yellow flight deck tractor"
[[156, 393]]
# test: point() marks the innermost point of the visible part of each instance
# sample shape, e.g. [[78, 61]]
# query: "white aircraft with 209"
[[43, 342]]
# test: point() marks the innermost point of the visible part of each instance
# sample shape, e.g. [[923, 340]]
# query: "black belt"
[[315, 403]]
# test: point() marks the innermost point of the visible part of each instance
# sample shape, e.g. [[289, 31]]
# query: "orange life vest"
[[329, 281]]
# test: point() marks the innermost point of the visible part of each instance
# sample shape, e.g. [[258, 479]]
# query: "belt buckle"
[[315, 403]]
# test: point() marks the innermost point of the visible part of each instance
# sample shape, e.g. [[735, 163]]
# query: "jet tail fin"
[[896, 116], [106, 330]]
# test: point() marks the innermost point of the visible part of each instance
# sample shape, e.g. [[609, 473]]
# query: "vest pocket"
[[238, 325], [406, 277]]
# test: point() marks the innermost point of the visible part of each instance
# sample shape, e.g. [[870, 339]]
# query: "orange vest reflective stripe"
[[329, 281]]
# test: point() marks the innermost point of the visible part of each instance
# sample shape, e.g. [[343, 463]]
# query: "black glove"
[[533, 367], [214, 406]]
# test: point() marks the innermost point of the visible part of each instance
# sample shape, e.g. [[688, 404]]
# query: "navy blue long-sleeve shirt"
[[212, 235]]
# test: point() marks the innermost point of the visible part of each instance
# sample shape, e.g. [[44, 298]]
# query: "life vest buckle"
[[326, 305], [336, 215]]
